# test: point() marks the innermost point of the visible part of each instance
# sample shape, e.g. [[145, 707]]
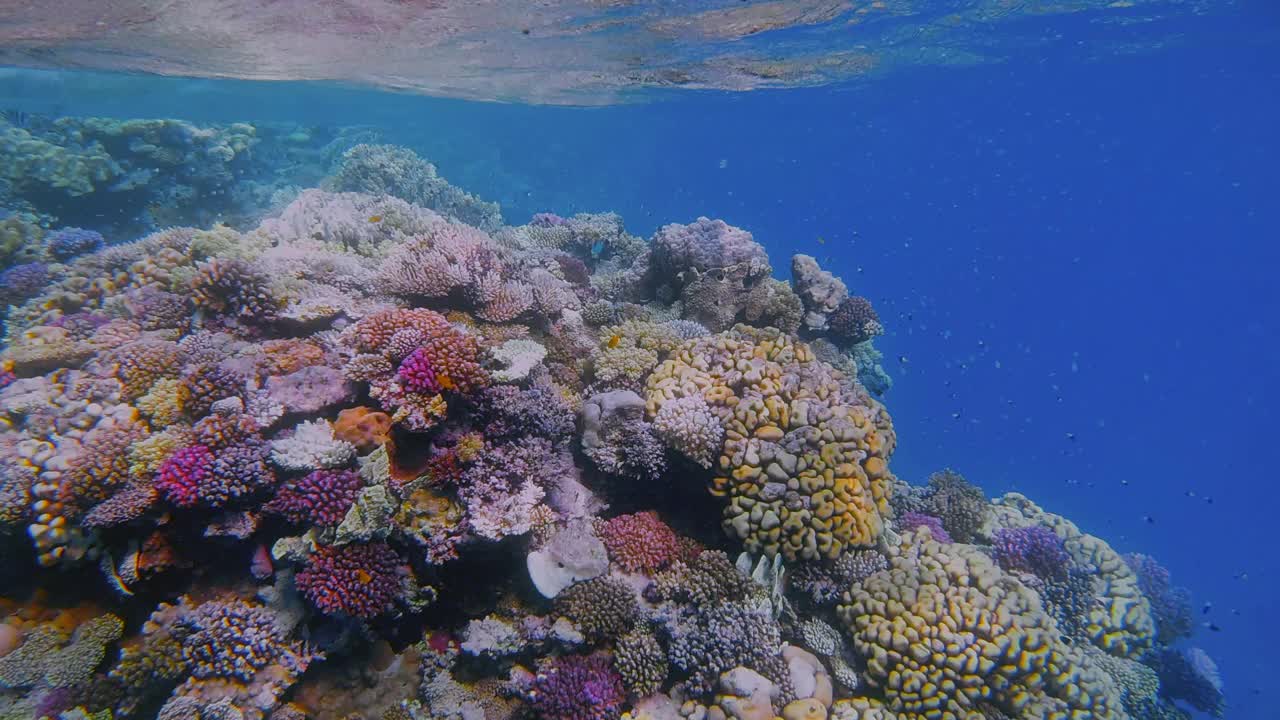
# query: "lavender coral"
[[577, 688], [1036, 550]]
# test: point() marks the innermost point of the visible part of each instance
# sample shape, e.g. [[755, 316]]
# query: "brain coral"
[[1119, 618], [805, 461], [948, 635]]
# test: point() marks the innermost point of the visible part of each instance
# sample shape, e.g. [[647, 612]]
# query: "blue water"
[[1075, 261]]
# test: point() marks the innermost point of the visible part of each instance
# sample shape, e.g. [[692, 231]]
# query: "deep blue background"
[[1077, 261]]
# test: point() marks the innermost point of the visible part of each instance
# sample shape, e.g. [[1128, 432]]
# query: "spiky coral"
[[574, 687]]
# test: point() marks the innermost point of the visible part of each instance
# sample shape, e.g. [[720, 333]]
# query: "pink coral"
[[181, 476], [321, 497], [456, 360], [640, 542], [417, 373], [361, 580]]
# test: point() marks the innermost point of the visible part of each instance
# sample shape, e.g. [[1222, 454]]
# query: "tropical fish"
[[613, 341], [375, 218], [446, 382], [364, 577]]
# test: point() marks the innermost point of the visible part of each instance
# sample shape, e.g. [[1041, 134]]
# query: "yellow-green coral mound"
[[948, 635], [805, 461], [1120, 620]]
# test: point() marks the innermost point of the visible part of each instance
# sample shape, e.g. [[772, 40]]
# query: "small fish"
[[375, 218], [1207, 607], [1150, 520], [903, 359], [1191, 493], [955, 415], [1212, 627], [446, 382], [613, 342], [1208, 499], [364, 577], [822, 240], [1071, 436]]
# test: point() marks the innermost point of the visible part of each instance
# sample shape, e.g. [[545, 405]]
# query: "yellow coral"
[[162, 403], [1120, 620], [948, 635], [805, 460]]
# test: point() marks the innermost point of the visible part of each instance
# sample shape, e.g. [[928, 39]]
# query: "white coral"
[[311, 447], [688, 426], [518, 358]]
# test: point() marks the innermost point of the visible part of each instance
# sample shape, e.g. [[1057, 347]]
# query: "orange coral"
[[363, 427], [374, 331], [289, 355]]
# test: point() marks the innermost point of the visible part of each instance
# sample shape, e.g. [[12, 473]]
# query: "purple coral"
[[418, 374], [1036, 550], [322, 497], [577, 688], [912, 520], [1170, 605], [362, 579], [22, 281], [237, 472], [67, 243]]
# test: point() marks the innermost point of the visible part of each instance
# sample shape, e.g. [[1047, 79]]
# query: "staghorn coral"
[[947, 634], [230, 639], [233, 288], [719, 638], [804, 465]]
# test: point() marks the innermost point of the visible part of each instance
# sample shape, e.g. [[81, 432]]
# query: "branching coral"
[[321, 496], [362, 580], [640, 542]]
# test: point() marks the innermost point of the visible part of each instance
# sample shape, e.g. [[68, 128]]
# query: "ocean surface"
[[1065, 215]]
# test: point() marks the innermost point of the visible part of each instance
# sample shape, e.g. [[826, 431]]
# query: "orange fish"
[[364, 577], [613, 341], [375, 218], [445, 381]]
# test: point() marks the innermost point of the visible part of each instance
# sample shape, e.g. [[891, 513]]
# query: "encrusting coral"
[[467, 470]]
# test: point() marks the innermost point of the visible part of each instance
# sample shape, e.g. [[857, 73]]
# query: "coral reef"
[[372, 453]]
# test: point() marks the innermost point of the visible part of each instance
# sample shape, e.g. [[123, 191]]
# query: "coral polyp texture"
[[377, 454]]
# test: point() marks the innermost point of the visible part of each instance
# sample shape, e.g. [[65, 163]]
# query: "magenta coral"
[[417, 373], [913, 520], [182, 474], [577, 688], [362, 580], [640, 542], [322, 497]]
